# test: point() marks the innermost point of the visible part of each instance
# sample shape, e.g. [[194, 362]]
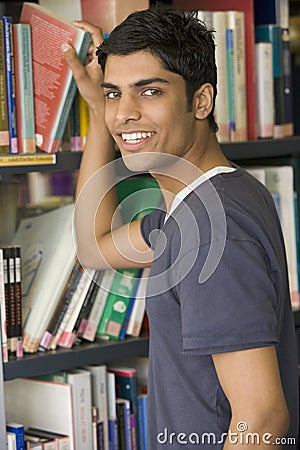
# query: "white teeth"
[[135, 137]]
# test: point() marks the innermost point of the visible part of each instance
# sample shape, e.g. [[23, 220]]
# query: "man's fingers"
[[95, 31], [73, 61]]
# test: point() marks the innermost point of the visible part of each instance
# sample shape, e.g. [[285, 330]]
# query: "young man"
[[222, 346]]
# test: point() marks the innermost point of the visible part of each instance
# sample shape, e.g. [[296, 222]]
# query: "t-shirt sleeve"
[[151, 223], [235, 308]]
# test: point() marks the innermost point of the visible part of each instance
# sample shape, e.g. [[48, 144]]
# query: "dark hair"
[[182, 42]]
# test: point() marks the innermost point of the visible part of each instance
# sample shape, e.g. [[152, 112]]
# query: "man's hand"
[[88, 77]]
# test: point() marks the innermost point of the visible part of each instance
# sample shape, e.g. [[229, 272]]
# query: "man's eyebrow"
[[140, 83]]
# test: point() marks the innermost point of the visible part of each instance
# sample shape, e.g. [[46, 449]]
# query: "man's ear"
[[203, 101]]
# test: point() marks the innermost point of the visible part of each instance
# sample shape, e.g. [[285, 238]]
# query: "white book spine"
[[219, 19], [138, 310], [264, 89], [80, 380]]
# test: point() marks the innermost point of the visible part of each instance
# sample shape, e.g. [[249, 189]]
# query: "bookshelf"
[[263, 151]]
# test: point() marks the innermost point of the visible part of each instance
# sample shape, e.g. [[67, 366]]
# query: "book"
[[124, 425], [98, 306], [281, 179], [109, 13], [69, 334], [10, 441], [272, 33], [18, 430], [4, 130], [99, 398], [112, 412], [138, 310], [80, 380], [84, 120], [9, 288], [16, 252], [219, 23], [10, 83], [48, 257], [61, 307], [75, 139], [3, 311], [264, 89], [248, 8], [24, 88], [277, 12], [54, 85], [26, 398], [142, 407], [235, 23], [67, 311], [117, 303], [123, 331], [82, 320], [126, 387], [61, 442]]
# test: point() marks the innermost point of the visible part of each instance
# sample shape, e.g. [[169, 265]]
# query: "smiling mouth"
[[137, 137]]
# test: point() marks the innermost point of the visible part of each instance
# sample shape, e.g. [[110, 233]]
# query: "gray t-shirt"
[[218, 283]]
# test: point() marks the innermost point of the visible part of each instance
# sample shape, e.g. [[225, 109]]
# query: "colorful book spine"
[[3, 311], [138, 310], [84, 120], [18, 300], [124, 424], [117, 303], [4, 130], [123, 331], [18, 430], [112, 412], [24, 88], [230, 81], [9, 279], [142, 407], [75, 139], [10, 84], [98, 306], [126, 387], [61, 307], [272, 33]]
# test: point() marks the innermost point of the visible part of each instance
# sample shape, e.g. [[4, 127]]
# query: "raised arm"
[[102, 240]]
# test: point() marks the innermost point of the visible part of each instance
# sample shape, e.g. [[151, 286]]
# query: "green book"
[[118, 301]]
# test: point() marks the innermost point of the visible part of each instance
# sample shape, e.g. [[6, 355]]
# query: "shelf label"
[[27, 160]]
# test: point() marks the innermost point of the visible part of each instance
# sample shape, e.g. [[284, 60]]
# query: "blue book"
[[10, 83], [142, 407], [18, 430], [113, 434]]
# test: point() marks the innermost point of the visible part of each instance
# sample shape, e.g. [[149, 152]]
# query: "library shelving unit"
[[281, 151]]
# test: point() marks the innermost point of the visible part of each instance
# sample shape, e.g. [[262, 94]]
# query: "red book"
[[248, 8], [54, 85]]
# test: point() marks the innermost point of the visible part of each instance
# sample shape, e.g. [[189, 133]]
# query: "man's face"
[[145, 109]]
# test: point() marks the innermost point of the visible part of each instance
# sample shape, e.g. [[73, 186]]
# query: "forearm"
[[259, 434], [94, 206]]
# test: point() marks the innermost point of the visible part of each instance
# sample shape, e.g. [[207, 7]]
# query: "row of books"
[[272, 63], [10, 302], [36, 86], [104, 304], [274, 12], [95, 407], [280, 182], [63, 303]]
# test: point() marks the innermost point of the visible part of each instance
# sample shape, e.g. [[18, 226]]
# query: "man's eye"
[[112, 95], [151, 92]]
